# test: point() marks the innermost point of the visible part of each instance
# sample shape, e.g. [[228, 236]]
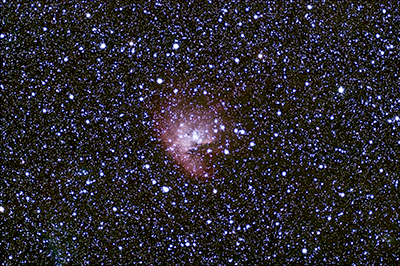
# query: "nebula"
[[191, 134]]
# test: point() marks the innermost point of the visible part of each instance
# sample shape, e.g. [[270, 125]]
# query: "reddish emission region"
[[191, 133]]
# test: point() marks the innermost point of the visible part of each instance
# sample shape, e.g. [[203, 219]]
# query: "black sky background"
[[321, 185]]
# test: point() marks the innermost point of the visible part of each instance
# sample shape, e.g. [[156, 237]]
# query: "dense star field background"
[[312, 109]]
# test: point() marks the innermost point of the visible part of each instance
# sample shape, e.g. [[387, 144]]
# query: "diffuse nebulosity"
[[191, 132]]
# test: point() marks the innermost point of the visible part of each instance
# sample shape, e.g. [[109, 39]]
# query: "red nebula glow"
[[189, 133]]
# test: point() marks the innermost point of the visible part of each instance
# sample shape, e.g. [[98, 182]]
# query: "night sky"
[[303, 168]]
